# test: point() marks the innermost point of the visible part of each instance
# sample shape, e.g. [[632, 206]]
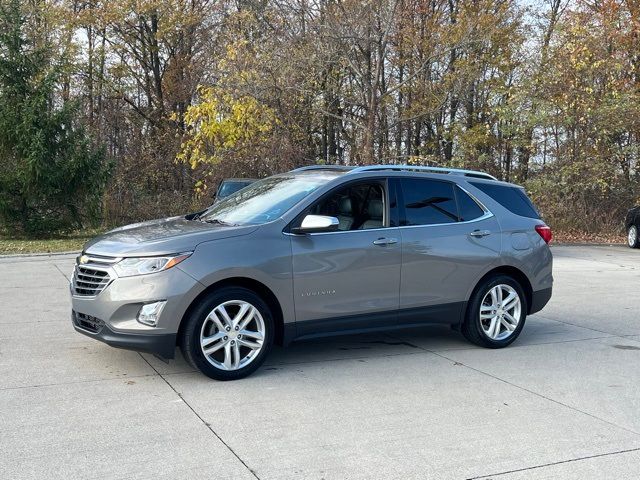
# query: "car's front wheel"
[[496, 312], [632, 237], [229, 334]]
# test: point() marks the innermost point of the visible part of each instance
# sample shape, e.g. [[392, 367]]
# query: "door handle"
[[480, 233], [385, 241]]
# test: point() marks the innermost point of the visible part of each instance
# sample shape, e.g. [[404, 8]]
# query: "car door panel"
[[346, 277], [441, 261]]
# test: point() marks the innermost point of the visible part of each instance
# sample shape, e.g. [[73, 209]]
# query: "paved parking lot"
[[561, 402]]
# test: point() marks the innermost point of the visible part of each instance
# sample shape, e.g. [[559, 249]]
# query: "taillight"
[[545, 232]]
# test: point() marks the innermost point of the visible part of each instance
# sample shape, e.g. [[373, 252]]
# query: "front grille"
[[89, 281], [88, 322]]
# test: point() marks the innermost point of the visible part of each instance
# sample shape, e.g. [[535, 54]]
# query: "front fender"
[[263, 256]]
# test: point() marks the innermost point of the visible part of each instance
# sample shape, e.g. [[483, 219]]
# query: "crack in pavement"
[[531, 391], [556, 463], [76, 382], [466, 349], [611, 335], [208, 425], [63, 274]]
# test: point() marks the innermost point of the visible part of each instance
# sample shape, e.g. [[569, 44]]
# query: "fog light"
[[150, 313]]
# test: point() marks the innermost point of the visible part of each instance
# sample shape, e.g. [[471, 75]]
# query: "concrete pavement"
[[562, 402]]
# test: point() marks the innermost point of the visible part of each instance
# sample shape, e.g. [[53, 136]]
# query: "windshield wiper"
[[196, 215], [217, 221]]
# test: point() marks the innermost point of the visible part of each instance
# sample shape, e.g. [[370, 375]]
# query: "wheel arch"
[[514, 272], [250, 284]]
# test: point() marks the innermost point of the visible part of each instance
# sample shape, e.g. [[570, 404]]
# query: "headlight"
[[129, 267]]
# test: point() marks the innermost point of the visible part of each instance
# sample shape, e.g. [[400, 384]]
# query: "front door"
[[348, 279]]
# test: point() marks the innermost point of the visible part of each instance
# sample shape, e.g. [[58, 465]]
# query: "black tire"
[[190, 333], [472, 327], [630, 241]]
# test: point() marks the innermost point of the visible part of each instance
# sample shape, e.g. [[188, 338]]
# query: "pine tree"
[[51, 175]]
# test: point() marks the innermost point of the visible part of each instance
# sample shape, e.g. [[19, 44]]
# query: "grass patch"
[[59, 243]]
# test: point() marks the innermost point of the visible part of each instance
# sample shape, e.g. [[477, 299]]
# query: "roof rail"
[[322, 167], [417, 168]]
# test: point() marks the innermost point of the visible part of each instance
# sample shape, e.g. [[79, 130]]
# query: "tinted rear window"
[[512, 198], [428, 202]]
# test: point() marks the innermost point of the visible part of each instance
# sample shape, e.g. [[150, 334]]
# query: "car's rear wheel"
[[496, 312], [229, 334], [632, 237]]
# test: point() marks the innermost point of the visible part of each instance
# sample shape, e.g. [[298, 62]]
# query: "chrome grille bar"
[[92, 277]]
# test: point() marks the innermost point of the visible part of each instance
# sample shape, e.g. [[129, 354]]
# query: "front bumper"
[[163, 345], [111, 315]]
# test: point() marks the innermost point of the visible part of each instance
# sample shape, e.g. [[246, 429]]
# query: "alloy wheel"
[[232, 335], [632, 237], [500, 312]]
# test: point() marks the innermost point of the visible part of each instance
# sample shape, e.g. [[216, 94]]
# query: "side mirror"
[[317, 224]]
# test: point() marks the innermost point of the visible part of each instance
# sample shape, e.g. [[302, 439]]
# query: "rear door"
[[349, 279], [448, 241]]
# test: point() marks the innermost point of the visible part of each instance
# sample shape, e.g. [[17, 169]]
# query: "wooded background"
[[122, 110]]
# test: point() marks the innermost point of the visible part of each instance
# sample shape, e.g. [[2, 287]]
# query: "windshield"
[[264, 200]]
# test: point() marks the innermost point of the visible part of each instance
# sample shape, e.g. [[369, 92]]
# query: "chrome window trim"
[[482, 217], [475, 199], [487, 214], [338, 231], [479, 219]]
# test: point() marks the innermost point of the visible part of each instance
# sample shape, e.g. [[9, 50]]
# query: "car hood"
[[160, 237]]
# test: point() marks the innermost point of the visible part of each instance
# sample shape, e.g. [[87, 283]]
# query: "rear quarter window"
[[513, 199], [468, 209]]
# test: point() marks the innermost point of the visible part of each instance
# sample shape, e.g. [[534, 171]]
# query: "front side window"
[[357, 207], [265, 200], [428, 202]]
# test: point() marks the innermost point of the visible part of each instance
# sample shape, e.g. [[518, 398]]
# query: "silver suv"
[[314, 252]]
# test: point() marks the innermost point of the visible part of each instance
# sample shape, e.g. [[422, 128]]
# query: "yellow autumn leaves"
[[222, 123]]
